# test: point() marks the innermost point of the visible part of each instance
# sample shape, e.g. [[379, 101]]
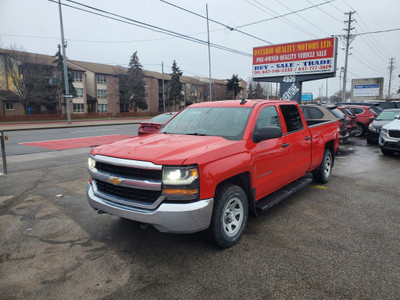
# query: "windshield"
[[387, 115], [226, 122]]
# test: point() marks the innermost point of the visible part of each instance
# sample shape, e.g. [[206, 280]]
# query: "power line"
[[318, 27], [283, 15], [216, 22], [263, 8], [326, 12], [129, 21]]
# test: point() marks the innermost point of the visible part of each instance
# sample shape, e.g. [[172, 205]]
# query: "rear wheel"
[[360, 130], [229, 215], [324, 171]]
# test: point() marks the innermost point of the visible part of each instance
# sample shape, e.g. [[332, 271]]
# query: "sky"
[[34, 26]]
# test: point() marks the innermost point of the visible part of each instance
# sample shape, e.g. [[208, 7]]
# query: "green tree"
[[175, 95], [60, 74], [250, 91], [233, 86], [132, 91], [258, 91]]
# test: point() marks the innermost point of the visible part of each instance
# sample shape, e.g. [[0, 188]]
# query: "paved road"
[[336, 241], [14, 144]]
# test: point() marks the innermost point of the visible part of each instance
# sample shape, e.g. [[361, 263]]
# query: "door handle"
[[285, 145], [308, 138]]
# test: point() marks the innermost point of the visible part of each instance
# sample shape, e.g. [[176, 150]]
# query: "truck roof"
[[236, 103]]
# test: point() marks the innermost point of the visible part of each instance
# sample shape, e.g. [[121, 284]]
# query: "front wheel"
[[324, 171], [229, 215], [386, 151]]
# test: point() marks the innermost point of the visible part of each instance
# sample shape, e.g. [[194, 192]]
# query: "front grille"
[[129, 172], [128, 194], [392, 145], [394, 133]]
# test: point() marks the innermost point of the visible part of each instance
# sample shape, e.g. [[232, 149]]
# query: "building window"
[[101, 79], [9, 106], [78, 108], [77, 76], [102, 107], [79, 92], [101, 93]]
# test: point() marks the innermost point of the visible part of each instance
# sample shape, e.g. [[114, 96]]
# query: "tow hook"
[[144, 226]]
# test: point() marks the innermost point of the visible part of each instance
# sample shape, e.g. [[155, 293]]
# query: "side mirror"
[[397, 117], [267, 133]]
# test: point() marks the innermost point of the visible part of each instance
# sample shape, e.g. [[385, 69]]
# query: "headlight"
[[371, 127], [91, 164], [181, 182], [383, 130]]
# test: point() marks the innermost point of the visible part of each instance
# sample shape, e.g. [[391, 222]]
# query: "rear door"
[[270, 156], [298, 140]]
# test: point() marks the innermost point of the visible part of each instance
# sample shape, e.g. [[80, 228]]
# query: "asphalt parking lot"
[[335, 241]]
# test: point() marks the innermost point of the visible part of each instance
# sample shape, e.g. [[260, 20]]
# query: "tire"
[[360, 131], [323, 173], [229, 216], [386, 151]]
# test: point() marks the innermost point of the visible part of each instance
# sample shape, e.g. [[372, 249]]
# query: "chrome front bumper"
[[168, 217]]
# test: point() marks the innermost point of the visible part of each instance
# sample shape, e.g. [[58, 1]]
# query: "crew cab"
[[212, 165]]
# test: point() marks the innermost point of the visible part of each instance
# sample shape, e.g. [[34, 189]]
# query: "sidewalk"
[[64, 124]]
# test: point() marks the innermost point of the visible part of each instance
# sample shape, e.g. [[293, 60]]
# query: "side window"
[[268, 117], [292, 117], [357, 110]]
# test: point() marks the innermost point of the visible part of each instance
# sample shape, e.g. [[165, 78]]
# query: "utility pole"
[[209, 54], [163, 89], [390, 68], [67, 96], [348, 40]]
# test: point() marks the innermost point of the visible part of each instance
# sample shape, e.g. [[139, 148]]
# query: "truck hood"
[[162, 148]]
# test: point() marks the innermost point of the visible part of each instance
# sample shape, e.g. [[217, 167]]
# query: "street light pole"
[[67, 95]]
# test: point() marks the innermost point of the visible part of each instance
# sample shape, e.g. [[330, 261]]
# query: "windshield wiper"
[[196, 133]]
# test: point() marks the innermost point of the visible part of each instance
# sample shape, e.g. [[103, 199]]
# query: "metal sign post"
[[3, 153]]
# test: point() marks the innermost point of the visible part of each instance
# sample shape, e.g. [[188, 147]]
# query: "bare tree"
[[31, 79]]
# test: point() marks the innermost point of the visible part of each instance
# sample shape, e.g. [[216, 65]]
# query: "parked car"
[[364, 116], [351, 120], [318, 112], [389, 138], [374, 128], [154, 124]]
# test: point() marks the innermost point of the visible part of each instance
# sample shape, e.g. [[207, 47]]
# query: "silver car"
[[389, 138]]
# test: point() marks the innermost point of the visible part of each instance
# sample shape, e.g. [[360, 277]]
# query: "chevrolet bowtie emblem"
[[116, 181]]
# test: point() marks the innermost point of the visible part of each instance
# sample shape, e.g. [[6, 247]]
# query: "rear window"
[[292, 117], [375, 109], [337, 113], [312, 113]]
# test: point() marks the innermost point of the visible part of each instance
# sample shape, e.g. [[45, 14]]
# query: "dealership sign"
[[301, 58], [366, 90]]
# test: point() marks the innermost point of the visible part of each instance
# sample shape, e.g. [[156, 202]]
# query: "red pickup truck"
[[211, 166]]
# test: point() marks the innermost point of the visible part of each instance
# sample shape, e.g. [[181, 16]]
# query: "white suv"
[[389, 138]]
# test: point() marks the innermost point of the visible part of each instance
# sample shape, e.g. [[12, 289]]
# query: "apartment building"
[[97, 87]]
